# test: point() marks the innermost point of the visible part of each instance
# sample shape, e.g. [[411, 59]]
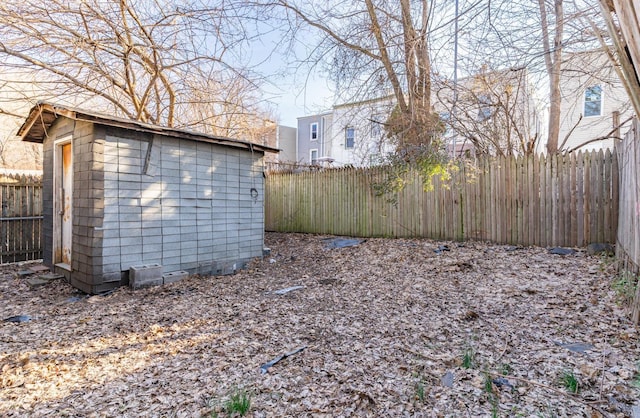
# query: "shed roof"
[[44, 114]]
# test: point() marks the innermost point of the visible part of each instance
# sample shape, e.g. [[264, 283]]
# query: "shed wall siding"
[[191, 210], [47, 197], [82, 259], [87, 209]]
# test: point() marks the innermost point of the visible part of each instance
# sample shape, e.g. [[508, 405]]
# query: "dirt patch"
[[387, 327]]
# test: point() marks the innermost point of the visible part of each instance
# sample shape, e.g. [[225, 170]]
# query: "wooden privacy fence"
[[628, 239], [561, 200], [21, 218]]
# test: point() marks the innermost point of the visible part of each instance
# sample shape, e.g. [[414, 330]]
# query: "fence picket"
[[607, 194], [21, 218], [535, 200]]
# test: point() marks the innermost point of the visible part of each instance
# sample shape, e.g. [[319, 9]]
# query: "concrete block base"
[[145, 275], [174, 276]]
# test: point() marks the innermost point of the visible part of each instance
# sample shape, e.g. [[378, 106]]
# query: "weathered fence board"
[[628, 237], [568, 200], [21, 218]]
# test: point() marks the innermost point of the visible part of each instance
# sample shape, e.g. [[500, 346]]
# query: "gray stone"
[[339, 242], [18, 319], [600, 248], [287, 290], [561, 251], [50, 276], [576, 347], [447, 380], [35, 282]]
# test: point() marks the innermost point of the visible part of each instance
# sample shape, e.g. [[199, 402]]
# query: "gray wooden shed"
[[119, 194]]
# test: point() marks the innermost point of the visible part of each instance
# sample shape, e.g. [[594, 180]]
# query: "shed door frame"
[[62, 192]]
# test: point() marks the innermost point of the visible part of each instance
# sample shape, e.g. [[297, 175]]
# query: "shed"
[[119, 193]]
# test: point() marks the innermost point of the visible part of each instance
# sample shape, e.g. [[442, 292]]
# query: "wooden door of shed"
[[63, 205]]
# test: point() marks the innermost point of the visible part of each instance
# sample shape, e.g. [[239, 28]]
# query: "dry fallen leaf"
[[383, 321]]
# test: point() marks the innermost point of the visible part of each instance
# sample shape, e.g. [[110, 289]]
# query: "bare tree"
[[238, 110], [543, 37], [14, 104], [374, 48], [149, 60], [492, 111]]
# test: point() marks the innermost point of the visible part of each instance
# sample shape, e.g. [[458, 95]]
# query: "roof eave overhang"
[[43, 115]]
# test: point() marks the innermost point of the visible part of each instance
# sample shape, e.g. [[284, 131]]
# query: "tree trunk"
[[555, 101], [553, 61]]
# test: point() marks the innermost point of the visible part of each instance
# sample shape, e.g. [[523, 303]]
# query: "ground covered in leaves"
[[387, 328]]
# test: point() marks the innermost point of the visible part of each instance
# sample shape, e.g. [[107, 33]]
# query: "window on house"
[[314, 131], [484, 111], [593, 101], [350, 137], [376, 126], [313, 156]]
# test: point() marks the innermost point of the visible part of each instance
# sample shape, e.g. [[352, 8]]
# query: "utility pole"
[[452, 117]]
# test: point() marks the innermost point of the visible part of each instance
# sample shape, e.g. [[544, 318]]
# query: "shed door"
[[63, 232]]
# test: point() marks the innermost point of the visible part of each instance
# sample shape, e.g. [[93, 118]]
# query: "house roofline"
[[365, 101], [315, 115], [43, 115]]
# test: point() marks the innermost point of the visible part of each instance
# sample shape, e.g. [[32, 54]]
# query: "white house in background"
[[313, 138], [495, 113], [280, 137], [349, 134], [492, 112], [286, 143], [357, 136], [594, 103]]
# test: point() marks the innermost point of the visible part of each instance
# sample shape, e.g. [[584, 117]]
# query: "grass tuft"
[[469, 358], [625, 285], [420, 391], [488, 383], [239, 403], [636, 377], [506, 369], [570, 381], [495, 411]]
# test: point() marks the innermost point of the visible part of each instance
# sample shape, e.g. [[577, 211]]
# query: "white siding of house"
[[582, 71], [359, 116], [287, 144]]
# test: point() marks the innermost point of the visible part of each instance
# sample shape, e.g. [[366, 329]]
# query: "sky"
[[295, 99], [293, 90]]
